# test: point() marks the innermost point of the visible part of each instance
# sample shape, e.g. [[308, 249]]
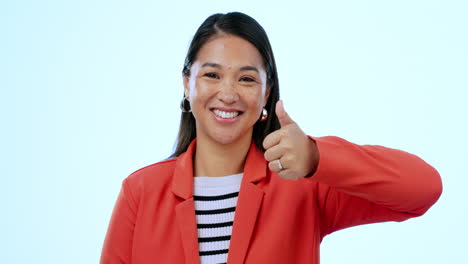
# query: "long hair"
[[243, 26]]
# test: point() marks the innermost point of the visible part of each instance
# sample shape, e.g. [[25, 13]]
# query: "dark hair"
[[245, 27]]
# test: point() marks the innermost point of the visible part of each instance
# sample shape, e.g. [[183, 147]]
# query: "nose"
[[228, 93]]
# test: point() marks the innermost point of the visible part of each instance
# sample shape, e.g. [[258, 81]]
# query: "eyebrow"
[[218, 66]]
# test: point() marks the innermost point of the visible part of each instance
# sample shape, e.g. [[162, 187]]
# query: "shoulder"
[[151, 177]]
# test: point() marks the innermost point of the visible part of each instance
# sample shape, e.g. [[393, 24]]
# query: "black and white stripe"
[[215, 205], [215, 216]]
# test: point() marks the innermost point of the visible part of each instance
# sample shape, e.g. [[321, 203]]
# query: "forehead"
[[230, 51]]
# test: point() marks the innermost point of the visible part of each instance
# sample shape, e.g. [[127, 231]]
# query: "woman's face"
[[226, 89]]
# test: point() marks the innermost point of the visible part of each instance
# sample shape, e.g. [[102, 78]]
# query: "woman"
[[245, 184]]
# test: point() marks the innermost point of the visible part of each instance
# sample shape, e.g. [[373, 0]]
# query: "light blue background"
[[90, 92]]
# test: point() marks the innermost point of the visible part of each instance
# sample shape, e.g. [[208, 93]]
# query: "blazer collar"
[[182, 182]]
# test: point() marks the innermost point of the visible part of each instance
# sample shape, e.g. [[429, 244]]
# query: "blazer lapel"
[[248, 205], [185, 213], [182, 186]]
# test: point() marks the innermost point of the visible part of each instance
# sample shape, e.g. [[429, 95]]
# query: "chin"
[[226, 139], [229, 137]]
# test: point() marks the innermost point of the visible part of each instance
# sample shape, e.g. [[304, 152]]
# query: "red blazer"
[[276, 220]]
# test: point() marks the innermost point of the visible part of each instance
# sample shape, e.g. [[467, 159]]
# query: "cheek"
[[197, 90], [255, 98], [200, 93]]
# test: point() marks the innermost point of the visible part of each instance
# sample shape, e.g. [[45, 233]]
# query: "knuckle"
[[265, 143], [283, 132], [282, 174], [271, 166]]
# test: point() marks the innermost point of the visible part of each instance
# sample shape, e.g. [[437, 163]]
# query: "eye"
[[211, 75], [247, 79]]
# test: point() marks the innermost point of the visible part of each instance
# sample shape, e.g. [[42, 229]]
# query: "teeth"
[[224, 114]]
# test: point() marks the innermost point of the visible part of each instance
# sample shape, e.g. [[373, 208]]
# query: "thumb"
[[283, 117]]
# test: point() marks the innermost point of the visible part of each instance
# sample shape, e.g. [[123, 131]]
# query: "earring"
[[264, 115], [185, 105]]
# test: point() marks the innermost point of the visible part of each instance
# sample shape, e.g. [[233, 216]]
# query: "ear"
[[186, 87]]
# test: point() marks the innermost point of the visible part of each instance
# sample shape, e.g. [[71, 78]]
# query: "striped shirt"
[[215, 206]]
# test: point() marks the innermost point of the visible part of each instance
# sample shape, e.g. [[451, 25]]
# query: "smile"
[[225, 114]]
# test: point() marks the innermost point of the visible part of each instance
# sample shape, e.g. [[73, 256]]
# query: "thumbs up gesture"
[[290, 152]]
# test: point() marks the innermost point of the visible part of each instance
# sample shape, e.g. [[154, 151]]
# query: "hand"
[[290, 147]]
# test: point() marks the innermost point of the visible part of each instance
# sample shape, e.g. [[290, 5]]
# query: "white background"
[[90, 92]]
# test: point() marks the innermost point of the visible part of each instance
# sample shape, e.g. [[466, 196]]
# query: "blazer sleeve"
[[117, 246], [362, 184]]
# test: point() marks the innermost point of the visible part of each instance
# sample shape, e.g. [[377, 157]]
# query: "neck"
[[214, 159]]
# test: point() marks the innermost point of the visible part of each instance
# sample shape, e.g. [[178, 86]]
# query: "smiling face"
[[226, 89]]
